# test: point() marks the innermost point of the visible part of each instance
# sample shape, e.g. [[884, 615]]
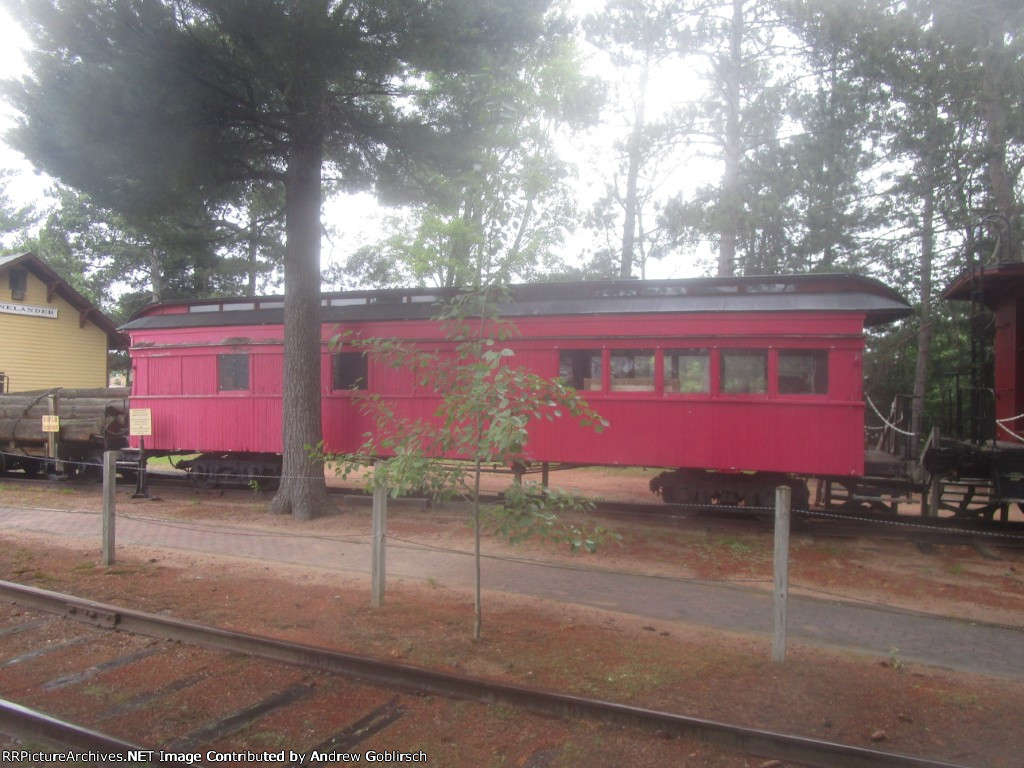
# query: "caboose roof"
[[792, 293], [994, 284]]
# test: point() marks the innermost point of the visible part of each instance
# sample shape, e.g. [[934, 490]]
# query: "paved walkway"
[[944, 642]]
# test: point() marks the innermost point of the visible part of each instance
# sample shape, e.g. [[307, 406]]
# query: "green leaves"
[[530, 511], [485, 407]]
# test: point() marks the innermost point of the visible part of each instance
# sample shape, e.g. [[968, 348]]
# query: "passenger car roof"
[[792, 293]]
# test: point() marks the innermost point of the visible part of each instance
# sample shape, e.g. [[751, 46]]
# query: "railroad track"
[[174, 691]]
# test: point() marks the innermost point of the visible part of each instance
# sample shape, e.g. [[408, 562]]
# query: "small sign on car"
[[140, 422]]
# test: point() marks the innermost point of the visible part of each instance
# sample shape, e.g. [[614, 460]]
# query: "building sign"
[[51, 423], [140, 421], [27, 309]]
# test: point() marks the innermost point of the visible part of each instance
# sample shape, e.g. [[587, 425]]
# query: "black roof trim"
[[799, 293]]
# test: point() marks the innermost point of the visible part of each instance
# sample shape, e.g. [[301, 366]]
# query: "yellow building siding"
[[43, 352]]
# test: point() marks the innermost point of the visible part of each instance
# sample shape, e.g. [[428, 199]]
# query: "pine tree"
[[639, 37], [152, 106]]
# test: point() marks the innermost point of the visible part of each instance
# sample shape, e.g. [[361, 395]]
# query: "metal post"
[[380, 525], [141, 481], [109, 488], [935, 492], [52, 438], [783, 497]]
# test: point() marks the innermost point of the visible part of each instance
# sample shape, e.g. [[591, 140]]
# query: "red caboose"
[[979, 458], [737, 375]]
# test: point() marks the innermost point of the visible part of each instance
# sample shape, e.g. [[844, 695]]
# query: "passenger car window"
[[632, 370], [803, 371], [580, 368], [688, 371], [349, 371], [232, 373], [744, 371]]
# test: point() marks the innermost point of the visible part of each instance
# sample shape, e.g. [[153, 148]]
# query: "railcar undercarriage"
[[703, 488], [243, 470]]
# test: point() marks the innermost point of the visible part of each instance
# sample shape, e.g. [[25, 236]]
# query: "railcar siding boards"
[[820, 433]]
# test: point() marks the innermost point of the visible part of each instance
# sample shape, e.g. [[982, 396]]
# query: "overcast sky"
[[356, 219]]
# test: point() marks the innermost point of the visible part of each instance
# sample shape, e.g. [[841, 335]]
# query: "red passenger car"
[[736, 375]]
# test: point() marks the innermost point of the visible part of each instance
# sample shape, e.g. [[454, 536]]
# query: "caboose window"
[[803, 371], [688, 371], [632, 370], [580, 368], [350, 370], [744, 371], [232, 373]]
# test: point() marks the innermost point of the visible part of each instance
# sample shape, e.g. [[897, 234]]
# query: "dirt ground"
[[888, 704]]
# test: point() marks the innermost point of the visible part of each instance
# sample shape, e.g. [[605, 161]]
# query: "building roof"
[[58, 286], [797, 293]]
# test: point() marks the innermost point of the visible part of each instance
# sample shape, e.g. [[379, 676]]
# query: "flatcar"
[[86, 422], [734, 385]]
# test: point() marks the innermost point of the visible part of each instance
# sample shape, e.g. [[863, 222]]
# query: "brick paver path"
[[945, 642]]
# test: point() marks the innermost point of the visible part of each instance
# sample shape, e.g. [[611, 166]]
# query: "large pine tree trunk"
[[303, 492]]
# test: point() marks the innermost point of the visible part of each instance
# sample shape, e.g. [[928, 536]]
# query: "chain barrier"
[[885, 421], [732, 509], [69, 462], [908, 524], [1002, 425]]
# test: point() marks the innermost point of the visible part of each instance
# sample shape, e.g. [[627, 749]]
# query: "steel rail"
[[92, 747], [30, 724], [751, 741]]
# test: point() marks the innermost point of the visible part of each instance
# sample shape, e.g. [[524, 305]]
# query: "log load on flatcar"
[[84, 424], [734, 384]]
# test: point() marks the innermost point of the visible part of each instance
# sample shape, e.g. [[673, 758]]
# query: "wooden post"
[[783, 497], [380, 527], [109, 488]]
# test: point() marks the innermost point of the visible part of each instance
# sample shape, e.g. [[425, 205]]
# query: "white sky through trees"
[[353, 221]]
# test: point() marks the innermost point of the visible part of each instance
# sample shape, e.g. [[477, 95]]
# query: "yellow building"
[[50, 335]]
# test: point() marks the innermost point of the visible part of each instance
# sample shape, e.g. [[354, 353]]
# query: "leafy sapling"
[[485, 407]]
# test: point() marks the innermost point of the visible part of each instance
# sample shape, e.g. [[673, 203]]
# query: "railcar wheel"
[[31, 468], [248, 478], [260, 478], [128, 474], [203, 476], [83, 469], [91, 468]]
